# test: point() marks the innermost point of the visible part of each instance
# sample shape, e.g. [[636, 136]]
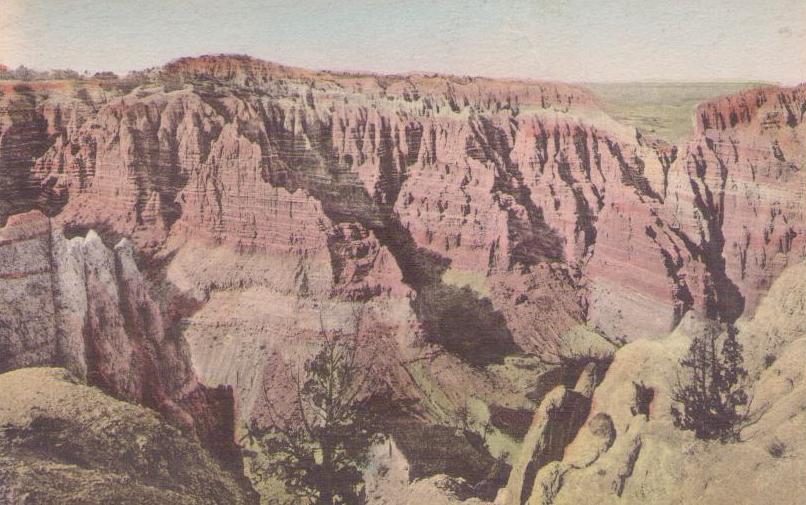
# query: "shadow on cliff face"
[[109, 236], [456, 318], [464, 324], [562, 426], [432, 449], [724, 299], [23, 137], [535, 240]]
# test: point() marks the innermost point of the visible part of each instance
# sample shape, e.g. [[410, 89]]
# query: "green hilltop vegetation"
[[665, 109]]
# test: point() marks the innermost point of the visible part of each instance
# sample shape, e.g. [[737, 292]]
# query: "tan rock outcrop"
[[627, 456], [554, 425], [77, 304], [63, 441]]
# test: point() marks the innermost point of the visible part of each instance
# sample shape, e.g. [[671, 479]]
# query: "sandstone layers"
[[470, 220], [34, 116], [436, 173], [77, 304]]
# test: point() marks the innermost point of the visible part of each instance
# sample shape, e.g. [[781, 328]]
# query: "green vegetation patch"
[[460, 278], [665, 109]]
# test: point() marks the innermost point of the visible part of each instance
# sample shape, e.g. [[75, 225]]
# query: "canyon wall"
[[489, 216], [34, 116], [77, 304], [470, 232]]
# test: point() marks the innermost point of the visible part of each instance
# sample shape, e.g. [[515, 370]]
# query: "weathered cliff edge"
[[466, 215], [77, 304], [64, 442], [628, 450], [392, 183]]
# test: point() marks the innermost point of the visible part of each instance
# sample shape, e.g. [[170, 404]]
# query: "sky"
[[569, 40]]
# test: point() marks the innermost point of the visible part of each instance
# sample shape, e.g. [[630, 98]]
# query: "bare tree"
[[319, 447]]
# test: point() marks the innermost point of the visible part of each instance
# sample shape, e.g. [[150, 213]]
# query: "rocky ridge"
[[628, 450], [468, 175], [471, 219], [77, 304], [65, 442]]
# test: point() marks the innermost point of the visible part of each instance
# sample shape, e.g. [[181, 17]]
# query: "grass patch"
[[665, 109], [460, 278]]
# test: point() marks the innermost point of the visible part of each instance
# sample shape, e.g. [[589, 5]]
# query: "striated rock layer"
[[451, 223], [447, 174], [77, 304], [33, 117], [489, 216]]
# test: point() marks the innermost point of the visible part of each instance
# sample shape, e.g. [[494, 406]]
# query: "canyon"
[[180, 237]]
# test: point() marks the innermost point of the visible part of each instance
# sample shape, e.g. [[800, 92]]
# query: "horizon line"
[[428, 73]]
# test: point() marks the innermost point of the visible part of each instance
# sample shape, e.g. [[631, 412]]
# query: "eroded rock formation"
[[471, 219], [77, 304], [631, 452], [554, 425], [33, 117], [464, 176]]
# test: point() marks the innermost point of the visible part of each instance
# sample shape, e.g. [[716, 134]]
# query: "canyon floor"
[[522, 267]]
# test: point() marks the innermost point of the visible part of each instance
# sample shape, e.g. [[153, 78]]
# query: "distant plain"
[[664, 109]]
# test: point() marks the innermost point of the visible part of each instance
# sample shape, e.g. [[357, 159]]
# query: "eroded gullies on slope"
[[373, 190]]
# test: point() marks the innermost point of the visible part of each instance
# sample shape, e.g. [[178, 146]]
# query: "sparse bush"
[[777, 449], [487, 429], [105, 76], [64, 75], [712, 394], [475, 432], [642, 400], [769, 360], [466, 421], [23, 73]]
